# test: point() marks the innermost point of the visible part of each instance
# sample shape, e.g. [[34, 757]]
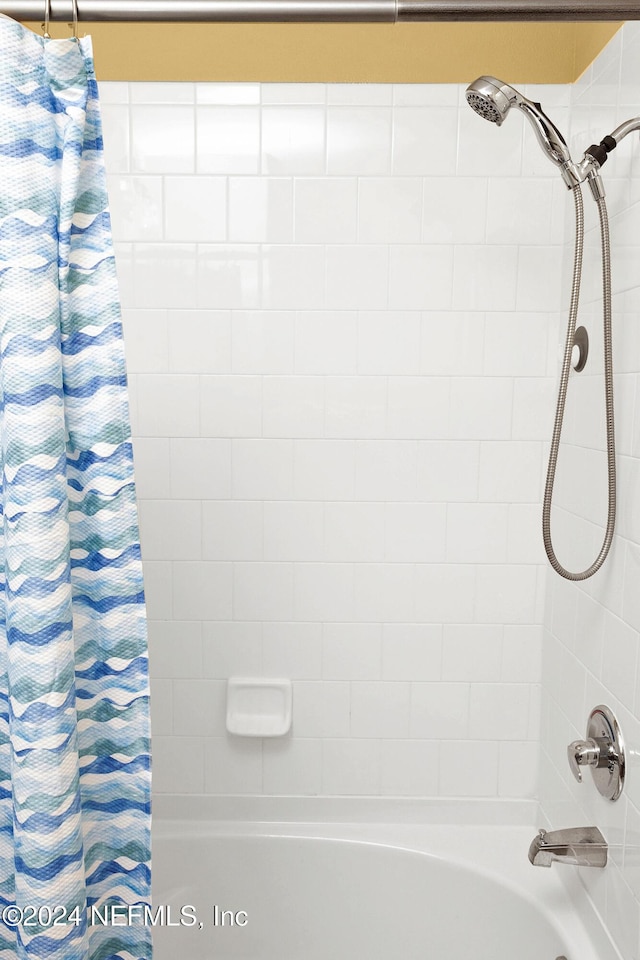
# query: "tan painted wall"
[[382, 53]]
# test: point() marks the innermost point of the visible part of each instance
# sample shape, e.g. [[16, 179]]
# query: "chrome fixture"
[[492, 99], [580, 846], [603, 751], [328, 11]]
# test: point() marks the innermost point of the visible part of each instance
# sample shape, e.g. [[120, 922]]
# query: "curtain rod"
[[323, 11]]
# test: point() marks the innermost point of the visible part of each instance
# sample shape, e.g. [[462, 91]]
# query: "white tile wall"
[[590, 647], [341, 366]]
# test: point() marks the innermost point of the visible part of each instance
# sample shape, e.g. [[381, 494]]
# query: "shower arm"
[[327, 11]]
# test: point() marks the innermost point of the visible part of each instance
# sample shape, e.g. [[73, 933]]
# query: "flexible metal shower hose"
[[562, 392]]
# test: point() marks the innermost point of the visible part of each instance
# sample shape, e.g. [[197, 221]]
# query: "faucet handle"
[[583, 753]]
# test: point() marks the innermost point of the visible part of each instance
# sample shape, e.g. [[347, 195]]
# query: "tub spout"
[[582, 846]]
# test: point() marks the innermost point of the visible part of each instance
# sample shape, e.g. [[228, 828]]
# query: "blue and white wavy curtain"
[[74, 722]]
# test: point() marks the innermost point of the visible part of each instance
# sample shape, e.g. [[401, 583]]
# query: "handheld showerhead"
[[492, 99]]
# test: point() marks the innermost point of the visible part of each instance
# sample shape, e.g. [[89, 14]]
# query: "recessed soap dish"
[[258, 708]]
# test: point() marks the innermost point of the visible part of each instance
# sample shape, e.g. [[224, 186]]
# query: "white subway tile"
[[421, 277], [468, 769], [357, 277], [202, 590], [171, 529], [418, 407], [380, 709], [389, 209], [293, 139], [481, 408], [354, 532], [228, 276], [477, 532], [485, 151], [355, 407], [326, 210], [293, 277], [231, 650], [161, 704], [445, 592], [233, 765], [452, 344], [227, 93], [326, 342], [200, 468], [291, 766], [262, 469], [151, 460], [409, 768], [292, 650], [168, 405], [165, 275], [505, 594], [424, 140], [324, 470], [439, 711], [522, 653], [350, 767], [499, 711], [388, 342], [448, 470], [619, 665], [415, 532], [170, 93], [232, 530], [384, 592], [358, 140], [321, 708], [263, 341], [152, 151], [324, 591], [199, 341], [519, 211], [510, 472], [115, 126], [195, 209], [515, 345], [293, 406], [175, 649], [135, 206], [260, 209], [293, 530], [146, 340], [471, 652], [454, 210], [228, 139], [231, 406], [411, 651], [199, 708], [352, 651], [474, 279], [533, 263], [518, 770], [386, 470], [178, 764], [262, 591]]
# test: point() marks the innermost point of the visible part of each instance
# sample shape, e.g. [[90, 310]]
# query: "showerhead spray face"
[[492, 99]]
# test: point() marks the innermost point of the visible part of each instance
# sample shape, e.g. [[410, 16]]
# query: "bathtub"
[[324, 880]]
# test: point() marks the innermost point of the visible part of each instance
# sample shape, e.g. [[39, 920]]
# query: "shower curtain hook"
[[47, 15], [75, 19]]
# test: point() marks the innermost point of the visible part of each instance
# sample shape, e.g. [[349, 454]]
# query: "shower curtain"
[[74, 724]]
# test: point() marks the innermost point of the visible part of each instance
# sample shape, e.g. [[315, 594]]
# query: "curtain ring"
[[47, 15], [75, 18]]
